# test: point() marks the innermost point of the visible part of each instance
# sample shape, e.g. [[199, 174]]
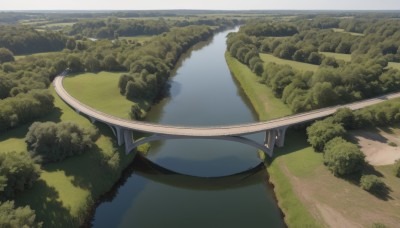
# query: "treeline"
[[268, 28], [335, 82], [24, 40], [113, 27], [24, 108], [150, 65]]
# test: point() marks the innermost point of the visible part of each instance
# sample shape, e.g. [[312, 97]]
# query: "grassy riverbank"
[[308, 194], [269, 107], [67, 190]]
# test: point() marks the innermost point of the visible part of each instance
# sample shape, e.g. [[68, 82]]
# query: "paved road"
[[215, 131]]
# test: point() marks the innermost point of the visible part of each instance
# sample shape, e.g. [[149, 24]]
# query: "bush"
[[397, 168], [55, 142], [371, 183], [322, 131], [342, 157], [13, 217], [18, 171]]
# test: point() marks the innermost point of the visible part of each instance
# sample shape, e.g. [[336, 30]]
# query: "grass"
[[394, 65], [261, 96], [267, 58], [99, 91], [41, 54], [66, 190], [343, 31], [338, 56]]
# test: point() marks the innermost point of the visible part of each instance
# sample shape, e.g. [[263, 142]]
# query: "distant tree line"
[[335, 82], [113, 27], [24, 40]]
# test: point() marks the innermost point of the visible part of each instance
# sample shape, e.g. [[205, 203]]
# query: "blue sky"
[[203, 4]]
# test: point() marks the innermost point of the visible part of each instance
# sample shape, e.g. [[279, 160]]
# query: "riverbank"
[[268, 107]]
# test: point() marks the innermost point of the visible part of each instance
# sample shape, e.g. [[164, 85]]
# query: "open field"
[[394, 65], [100, 91], [267, 58], [266, 104], [343, 31], [18, 57], [66, 189], [338, 56], [309, 195]]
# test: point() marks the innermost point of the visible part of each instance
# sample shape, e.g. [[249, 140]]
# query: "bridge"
[[274, 129]]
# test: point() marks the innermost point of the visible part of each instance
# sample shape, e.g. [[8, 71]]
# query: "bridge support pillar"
[[280, 138], [270, 138], [129, 142], [120, 135]]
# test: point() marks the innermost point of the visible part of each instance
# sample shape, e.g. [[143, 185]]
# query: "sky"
[[200, 4]]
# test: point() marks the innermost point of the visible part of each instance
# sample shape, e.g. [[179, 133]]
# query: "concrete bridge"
[[274, 129]]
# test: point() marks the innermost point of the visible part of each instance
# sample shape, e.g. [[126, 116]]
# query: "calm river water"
[[201, 93]]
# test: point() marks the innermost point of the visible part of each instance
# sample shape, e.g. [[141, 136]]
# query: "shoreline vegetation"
[[263, 100]]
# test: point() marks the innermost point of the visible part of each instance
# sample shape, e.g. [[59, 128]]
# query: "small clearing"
[[338, 56], [267, 58], [375, 145]]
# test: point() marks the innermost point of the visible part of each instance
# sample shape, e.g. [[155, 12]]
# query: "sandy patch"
[[375, 146]]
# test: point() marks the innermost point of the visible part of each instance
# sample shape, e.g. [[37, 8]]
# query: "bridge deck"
[[215, 131]]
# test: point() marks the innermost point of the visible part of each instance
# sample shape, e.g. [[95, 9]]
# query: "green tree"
[[75, 64], [71, 44], [6, 55], [321, 132], [19, 171], [136, 112], [342, 157], [92, 64], [396, 169], [372, 183], [17, 217]]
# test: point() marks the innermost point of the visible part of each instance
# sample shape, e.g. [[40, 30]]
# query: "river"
[[202, 93]]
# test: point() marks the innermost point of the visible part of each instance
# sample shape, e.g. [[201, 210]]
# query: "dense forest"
[[24, 39], [335, 81]]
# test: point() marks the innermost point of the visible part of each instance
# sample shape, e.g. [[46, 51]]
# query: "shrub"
[[11, 216], [322, 131], [342, 157], [397, 168], [371, 183], [55, 142], [393, 144]]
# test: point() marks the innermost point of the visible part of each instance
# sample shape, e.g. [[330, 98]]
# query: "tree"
[[396, 169], [323, 131], [345, 117], [372, 183], [19, 171], [136, 112], [342, 157], [258, 68], [110, 63], [71, 44], [55, 142], [75, 64], [6, 55], [92, 64], [15, 217]]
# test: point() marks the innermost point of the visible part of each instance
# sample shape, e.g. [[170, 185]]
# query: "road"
[[212, 131]]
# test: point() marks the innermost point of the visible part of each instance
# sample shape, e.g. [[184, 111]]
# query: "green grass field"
[[394, 65], [267, 58], [67, 189], [261, 96], [100, 91], [343, 31], [19, 57], [338, 56]]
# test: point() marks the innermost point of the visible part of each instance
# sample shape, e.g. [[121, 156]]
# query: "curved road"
[[215, 131]]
